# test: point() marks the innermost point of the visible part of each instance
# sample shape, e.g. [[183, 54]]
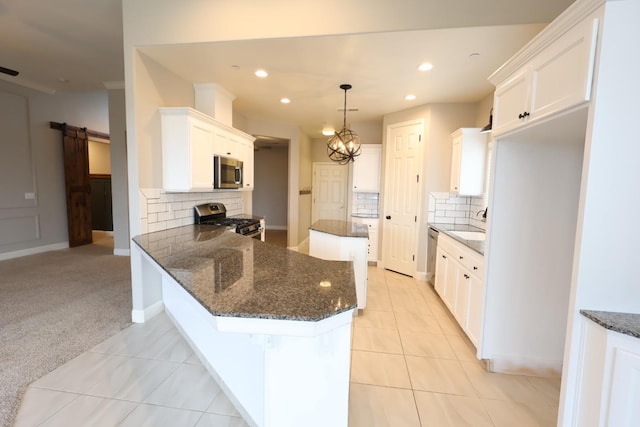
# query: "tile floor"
[[411, 366]]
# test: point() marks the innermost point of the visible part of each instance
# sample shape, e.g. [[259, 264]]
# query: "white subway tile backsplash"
[[165, 216], [449, 208], [152, 217], [157, 226], [156, 207]]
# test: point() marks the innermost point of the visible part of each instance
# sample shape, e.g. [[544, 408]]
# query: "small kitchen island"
[[338, 240], [271, 325]]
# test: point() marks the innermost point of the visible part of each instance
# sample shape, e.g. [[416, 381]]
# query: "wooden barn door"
[[77, 184]]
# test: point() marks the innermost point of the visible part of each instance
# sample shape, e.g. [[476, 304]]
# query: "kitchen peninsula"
[[339, 240], [271, 325]]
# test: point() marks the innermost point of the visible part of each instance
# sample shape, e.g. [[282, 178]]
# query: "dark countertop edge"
[[476, 245], [624, 323], [239, 315]]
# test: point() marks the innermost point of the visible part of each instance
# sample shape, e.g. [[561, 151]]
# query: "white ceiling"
[[62, 45]]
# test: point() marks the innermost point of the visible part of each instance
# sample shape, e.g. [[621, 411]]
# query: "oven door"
[[227, 172]]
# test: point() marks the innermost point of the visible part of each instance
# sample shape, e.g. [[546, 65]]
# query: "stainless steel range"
[[216, 214]]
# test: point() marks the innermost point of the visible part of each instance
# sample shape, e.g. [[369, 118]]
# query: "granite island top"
[[232, 275], [624, 323], [341, 228], [476, 245]]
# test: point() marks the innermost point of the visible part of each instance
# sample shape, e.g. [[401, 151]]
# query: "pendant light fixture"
[[344, 146]]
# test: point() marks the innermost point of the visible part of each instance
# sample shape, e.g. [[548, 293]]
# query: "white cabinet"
[[187, 151], [459, 282], [190, 139], [610, 378], [372, 223], [366, 169], [556, 79], [468, 159]]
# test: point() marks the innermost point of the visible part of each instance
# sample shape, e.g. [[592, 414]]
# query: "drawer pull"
[[466, 276], [475, 268], [461, 257]]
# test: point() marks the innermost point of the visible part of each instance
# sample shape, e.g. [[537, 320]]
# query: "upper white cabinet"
[[468, 158], [190, 139], [554, 80], [366, 169]]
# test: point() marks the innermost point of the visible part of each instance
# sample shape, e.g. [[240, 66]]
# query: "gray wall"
[[119, 182], [271, 185], [32, 162]]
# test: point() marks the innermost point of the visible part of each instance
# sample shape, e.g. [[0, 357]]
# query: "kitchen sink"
[[469, 235]]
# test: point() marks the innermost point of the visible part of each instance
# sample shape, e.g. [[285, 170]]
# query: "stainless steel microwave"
[[227, 172]]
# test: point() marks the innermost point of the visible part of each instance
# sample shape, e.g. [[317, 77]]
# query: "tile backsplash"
[[365, 204], [160, 210], [449, 208]]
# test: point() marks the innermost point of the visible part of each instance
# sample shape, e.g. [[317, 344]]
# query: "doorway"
[[329, 191], [402, 196], [271, 186]]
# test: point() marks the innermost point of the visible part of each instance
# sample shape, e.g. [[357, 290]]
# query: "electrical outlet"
[[29, 196]]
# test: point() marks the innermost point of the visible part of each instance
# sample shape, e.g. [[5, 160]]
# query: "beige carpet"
[[55, 306]]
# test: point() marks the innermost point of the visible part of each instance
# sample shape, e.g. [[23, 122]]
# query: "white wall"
[[119, 191], [44, 158]]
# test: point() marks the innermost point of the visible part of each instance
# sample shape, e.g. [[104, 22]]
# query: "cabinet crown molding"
[[573, 15], [188, 111]]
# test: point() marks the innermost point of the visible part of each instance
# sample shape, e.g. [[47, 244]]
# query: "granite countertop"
[[476, 245], [624, 323], [237, 276], [341, 228]]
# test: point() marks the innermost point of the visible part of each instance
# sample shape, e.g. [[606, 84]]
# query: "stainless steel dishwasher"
[[432, 246]]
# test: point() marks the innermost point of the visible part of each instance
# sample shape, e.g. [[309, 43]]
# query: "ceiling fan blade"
[[9, 71]]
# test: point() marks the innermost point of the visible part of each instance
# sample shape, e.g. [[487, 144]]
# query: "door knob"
[[388, 216]]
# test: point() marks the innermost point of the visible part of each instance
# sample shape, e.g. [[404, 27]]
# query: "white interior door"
[[329, 191], [402, 182]]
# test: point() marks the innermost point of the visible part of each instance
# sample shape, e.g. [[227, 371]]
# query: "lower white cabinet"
[[372, 223], [610, 378], [459, 282]]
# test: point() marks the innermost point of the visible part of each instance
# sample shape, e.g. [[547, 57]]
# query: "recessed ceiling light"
[[410, 97], [425, 66], [474, 55], [328, 131], [261, 73], [285, 100]]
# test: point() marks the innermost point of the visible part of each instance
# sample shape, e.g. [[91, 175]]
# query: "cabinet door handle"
[[444, 256], [388, 216], [475, 268], [523, 115], [466, 276], [461, 257]]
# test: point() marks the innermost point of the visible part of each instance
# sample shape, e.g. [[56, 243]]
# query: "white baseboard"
[[276, 227], [421, 275], [33, 251], [525, 366], [122, 252], [141, 316]]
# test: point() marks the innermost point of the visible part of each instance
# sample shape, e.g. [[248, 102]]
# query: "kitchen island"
[[271, 325], [343, 241]]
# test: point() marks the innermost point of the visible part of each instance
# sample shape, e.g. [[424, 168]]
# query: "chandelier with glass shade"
[[344, 146]]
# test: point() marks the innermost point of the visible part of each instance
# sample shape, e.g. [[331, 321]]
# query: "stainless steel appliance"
[[216, 214], [432, 247], [227, 172]]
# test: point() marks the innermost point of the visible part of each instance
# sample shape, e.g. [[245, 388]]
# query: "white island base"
[[278, 373]]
